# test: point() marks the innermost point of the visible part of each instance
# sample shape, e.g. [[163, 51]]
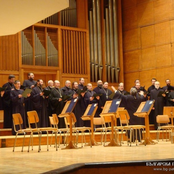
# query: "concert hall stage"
[[52, 160]]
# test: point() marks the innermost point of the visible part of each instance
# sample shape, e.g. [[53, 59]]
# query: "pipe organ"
[[110, 42]]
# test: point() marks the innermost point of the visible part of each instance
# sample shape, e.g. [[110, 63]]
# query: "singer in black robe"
[[79, 108], [132, 103], [102, 100], [40, 105], [158, 105], [30, 83], [7, 105], [57, 105]]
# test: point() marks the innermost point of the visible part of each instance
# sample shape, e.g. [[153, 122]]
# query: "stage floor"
[[34, 162]]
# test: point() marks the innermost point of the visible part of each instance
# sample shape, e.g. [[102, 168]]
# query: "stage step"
[[8, 141], [1, 124], [5, 132]]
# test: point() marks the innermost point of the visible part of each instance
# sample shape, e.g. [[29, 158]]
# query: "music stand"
[[110, 110], [144, 111], [89, 115], [67, 112]]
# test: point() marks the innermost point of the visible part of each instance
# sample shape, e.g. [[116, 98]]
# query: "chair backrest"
[[124, 117], [98, 121], [17, 121], [168, 110], [55, 119], [162, 119], [32, 118], [51, 121], [1, 115]]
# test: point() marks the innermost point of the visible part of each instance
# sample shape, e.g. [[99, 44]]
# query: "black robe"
[[131, 105], [150, 89], [122, 104], [80, 86], [40, 105], [87, 101], [158, 105], [18, 105], [169, 97], [7, 105], [79, 109], [1, 108], [57, 105], [28, 103], [101, 101], [151, 119]]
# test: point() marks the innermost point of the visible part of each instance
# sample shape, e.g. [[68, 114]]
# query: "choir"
[[51, 99]]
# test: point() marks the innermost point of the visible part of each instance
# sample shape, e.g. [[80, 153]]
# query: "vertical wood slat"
[[82, 56], [72, 52], [77, 40], [46, 47], [79, 34], [85, 56], [33, 44], [1, 61], [66, 57], [69, 51]]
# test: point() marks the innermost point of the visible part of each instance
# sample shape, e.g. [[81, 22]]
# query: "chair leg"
[[56, 140], [15, 142], [29, 144], [23, 142], [136, 136], [39, 134], [51, 139], [32, 140], [140, 135], [47, 142]]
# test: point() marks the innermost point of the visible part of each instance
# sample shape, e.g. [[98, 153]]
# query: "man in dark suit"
[[40, 103]]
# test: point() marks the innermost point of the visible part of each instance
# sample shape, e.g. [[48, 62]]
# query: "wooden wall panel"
[[127, 4], [156, 41], [145, 13], [146, 76], [162, 33], [147, 36], [132, 60], [163, 55], [147, 59], [163, 10], [131, 40], [130, 78], [128, 14], [9, 54]]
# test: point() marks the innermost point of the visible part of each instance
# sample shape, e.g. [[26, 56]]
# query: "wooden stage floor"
[[34, 162]]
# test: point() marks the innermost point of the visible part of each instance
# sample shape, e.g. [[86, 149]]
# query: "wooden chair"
[[54, 121], [18, 124], [163, 119], [100, 122], [124, 125], [34, 119], [76, 130]]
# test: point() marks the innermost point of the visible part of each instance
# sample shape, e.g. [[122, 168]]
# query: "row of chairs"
[[104, 122], [164, 121], [33, 121], [123, 116]]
